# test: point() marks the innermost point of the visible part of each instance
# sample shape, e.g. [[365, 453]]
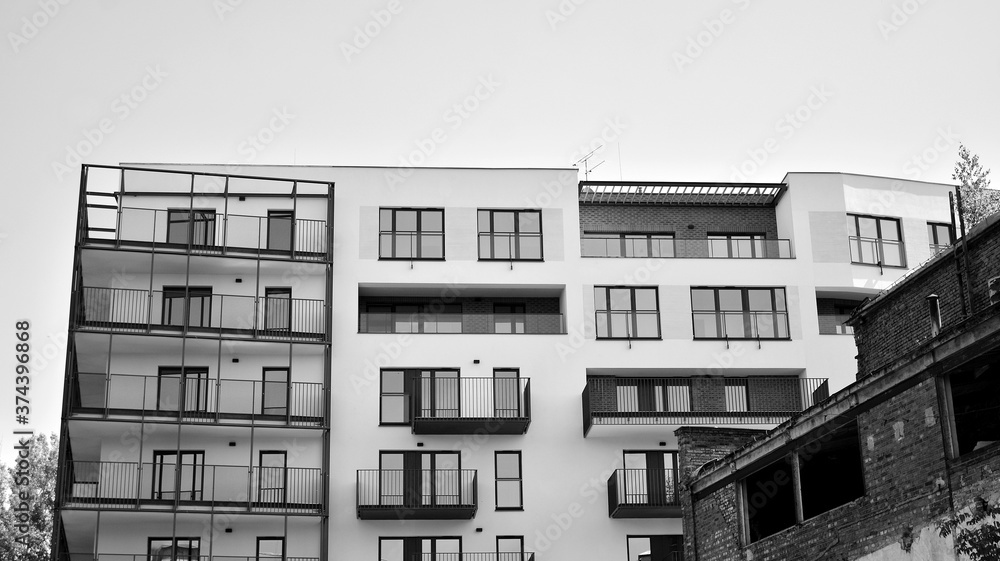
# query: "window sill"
[[411, 258], [884, 266], [742, 338], [504, 260], [630, 338], [510, 508]]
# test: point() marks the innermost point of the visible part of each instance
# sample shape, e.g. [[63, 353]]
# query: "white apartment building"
[[441, 363]]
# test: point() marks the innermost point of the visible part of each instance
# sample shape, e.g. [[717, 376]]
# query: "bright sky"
[[682, 90]]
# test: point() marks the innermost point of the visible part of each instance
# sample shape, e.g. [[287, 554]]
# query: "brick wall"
[[827, 308], [676, 219], [603, 393], [895, 326]]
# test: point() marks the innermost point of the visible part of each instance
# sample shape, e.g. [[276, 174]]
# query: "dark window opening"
[[277, 308], [974, 391], [270, 549], [770, 500], [656, 548], [174, 549], [280, 229], [830, 470]]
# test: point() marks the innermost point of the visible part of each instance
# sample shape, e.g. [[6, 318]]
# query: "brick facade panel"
[[677, 219]]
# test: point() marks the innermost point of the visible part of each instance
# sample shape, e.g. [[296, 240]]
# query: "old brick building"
[[870, 473]]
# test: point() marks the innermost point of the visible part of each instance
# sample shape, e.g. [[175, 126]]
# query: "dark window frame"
[[500, 555], [201, 374], [275, 217], [186, 294], [205, 218], [933, 236], [632, 312], [197, 484], [273, 295], [721, 332], [260, 476], [855, 240], [648, 237], [263, 389], [515, 236], [416, 540], [756, 239], [413, 376], [497, 479], [284, 553], [418, 234], [194, 555]]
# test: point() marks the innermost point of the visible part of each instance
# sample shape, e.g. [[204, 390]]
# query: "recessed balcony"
[[417, 494], [643, 493], [190, 485], [465, 315], [194, 397], [197, 310], [611, 400], [193, 556], [666, 246]]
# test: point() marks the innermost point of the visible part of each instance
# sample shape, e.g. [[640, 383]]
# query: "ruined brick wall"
[[705, 219]]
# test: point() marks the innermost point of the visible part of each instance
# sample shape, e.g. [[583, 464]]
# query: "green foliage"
[[976, 531], [40, 483], [978, 201]]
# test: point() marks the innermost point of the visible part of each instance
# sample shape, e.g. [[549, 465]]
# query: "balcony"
[[417, 494], [646, 246], [196, 398], [193, 486], [465, 323], [609, 400], [474, 556], [643, 493], [470, 405], [834, 324], [877, 251], [129, 310], [187, 557]]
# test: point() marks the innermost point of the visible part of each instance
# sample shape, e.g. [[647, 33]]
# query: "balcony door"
[[439, 394], [280, 229], [420, 479], [182, 389], [270, 549], [274, 391], [174, 549], [420, 549], [508, 318], [178, 475], [277, 308], [196, 226], [189, 306], [272, 476], [506, 393], [649, 478]]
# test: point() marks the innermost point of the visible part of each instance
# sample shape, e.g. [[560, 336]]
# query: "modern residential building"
[[511, 350], [876, 471]]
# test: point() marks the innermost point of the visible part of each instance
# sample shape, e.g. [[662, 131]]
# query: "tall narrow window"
[[277, 308], [409, 233], [196, 226], [510, 235], [940, 236], [509, 486], [507, 401], [876, 241], [271, 476], [395, 397], [649, 478], [174, 549], [627, 313], [739, 313], [280, 230], [274, 391]]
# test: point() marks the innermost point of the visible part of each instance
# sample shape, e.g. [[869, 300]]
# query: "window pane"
[[484, 221], [730, 299], [394, 409], [702, 299], [530, 222], [600, 298], [636, 246], [890, 229], [431, 221], [392, 381], [868, 227], [406, 220], [508, 465], [705, 325], [892, 253], [852, 225], [760, 299], [431, 246], [385, 219], [484, 247], [645, 298], [603, 324], [621, 298], [779, 299], [404, 245], [385, 245], [391, 549], [620, 325], [734, 325], [531, 247], [646, 325], [508, 494], [503, 221], [502, 247]]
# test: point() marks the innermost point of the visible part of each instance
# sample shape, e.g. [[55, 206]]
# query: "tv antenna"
[[584, 160]]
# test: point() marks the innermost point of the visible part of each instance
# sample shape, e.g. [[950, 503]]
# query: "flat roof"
[[686, 193]]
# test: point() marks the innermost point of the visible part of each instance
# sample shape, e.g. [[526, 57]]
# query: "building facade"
[[873, 473], [510, 350]]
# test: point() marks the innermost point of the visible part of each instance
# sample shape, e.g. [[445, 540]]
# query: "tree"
[[976, 530], [27, 498], [978, 201]]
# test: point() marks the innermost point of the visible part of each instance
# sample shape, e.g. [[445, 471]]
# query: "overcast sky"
[[682, 90]]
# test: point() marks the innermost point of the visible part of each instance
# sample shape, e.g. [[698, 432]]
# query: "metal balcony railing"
[[417, 493], [137, 486], [834, 324], [496, 405], [199, 399], [938, 248], [740, 325], [411, 245], [643, 493], [141, 311], [510, 246], [627, 324], [186, 557], [429, 322], [617, 245], [475, 556], [877, 251], [611, 400]]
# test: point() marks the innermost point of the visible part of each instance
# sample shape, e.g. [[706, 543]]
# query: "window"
[[419, 549], [510, 235], [507, 402], [510, 548], [280, 229], [627, 313], [189, 306], [970, 395], [277, 308], [648, 478], [509, 488], [178, 475], [628, 245], [940, 236], [423, 479], [649, 395], [271, 476], [274, 391], [182, 388], [508, 318], [437, 394], [656, 548], [270, 549], [408, 233], [830, 473], [876, 241], [737, 395], [739, 313], [434, 317], [736, 245], [196, 226], [174, 549]]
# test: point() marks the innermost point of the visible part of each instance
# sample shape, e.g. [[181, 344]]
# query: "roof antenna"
[[586, 170]]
